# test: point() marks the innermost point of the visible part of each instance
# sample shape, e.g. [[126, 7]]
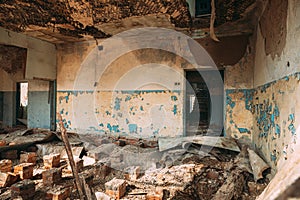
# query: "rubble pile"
[[35, 165]]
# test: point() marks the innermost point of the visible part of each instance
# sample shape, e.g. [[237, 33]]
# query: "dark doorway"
[[203, 7], [22, 103], [52, 102], [198, 103]]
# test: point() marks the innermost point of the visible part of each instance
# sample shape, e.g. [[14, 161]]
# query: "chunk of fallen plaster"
[[258, 165]]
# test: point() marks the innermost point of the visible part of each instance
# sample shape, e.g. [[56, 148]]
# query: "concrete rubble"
[[111, 169]]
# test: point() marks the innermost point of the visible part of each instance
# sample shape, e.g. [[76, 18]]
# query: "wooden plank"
[[220, 142], [70, 156]]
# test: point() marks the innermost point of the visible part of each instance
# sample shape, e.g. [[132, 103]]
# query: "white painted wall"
[[267, 69], [41, 55]]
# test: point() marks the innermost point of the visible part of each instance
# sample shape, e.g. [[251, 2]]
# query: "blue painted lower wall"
[[276, 108], [269, 115], [146, 113], [38, 109], [9, 108], [239, 117]]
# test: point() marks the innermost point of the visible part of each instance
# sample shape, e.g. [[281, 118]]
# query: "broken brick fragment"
[[2, 143], [24, 189], [58, 194], [28, 157], [102, 170], [78, 164], [7, 179], [51, 161], [52, 176], [5, 165], [154, 196], [25, 170], [132, 173], [116, 188]]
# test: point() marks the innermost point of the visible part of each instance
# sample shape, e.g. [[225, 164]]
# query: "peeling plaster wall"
[[129, 98], [40, 63], [276, 111], [41, 55], [239, 95], [276, 83]]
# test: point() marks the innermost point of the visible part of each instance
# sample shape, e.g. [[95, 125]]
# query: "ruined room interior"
[[150, 99]]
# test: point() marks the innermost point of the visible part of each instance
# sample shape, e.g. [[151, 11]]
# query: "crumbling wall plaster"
[[276, 84], [40, 63], [41, 55], [238, 82], [286, 61], [135, 95]]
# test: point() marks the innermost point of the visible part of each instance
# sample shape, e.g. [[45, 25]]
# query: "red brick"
[[133, 173], [78, 163], [102, 170], [25, 170], [2, 143], [60, 194], [12, 154], [212, 175], [52, 176], [29, 157], [5, 166], [159, 194], [24, 189], [51, 161], [116, 188], [7, 179], [154, 196]]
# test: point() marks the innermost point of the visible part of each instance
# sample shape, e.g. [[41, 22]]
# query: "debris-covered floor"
[[35, 165]]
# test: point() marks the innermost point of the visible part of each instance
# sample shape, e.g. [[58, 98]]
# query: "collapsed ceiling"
[[75, 20]]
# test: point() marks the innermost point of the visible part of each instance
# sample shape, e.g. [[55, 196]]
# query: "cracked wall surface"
[[129, 97]]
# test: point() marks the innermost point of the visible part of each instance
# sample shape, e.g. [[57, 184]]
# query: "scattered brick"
[[5, 165], [2, 143], [28, 157], [25, 170], [52, 176], [116, 188], [51, 161], [132, 173], [58, 194], [7, 179], [213, 175], [154, 196], [78, 163], [11, 155], [24, 189], [102, 170]]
